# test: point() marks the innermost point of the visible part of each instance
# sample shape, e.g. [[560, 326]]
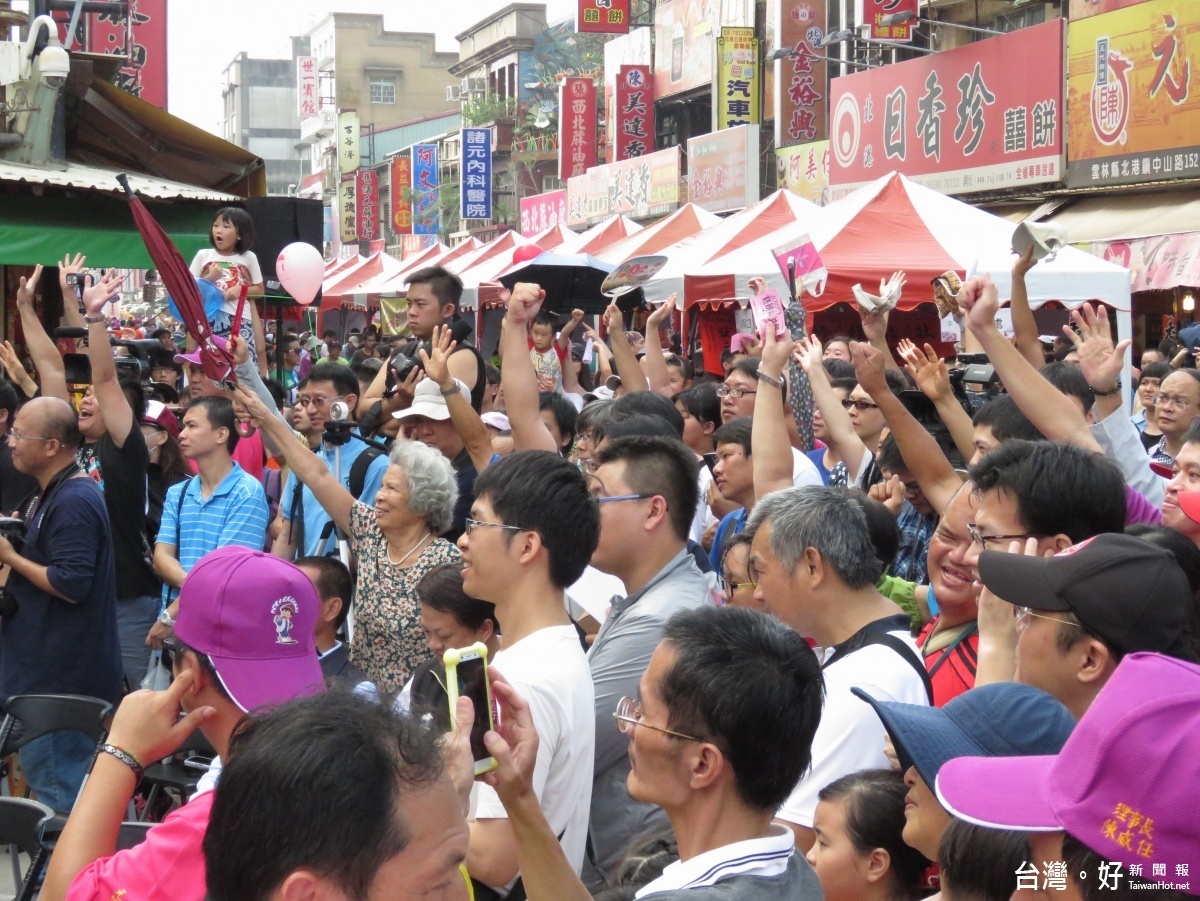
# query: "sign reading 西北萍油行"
[[958, 121], [1132, 94], [542, 211], [576, 127]]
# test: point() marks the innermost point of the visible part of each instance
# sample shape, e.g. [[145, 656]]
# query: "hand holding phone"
[[467, 676]]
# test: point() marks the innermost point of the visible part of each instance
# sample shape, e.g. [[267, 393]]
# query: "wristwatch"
[[774, 382], [166, 619], [95, 319]]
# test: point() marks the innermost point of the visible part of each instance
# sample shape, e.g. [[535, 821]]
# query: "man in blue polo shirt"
[[222, 505], [306, 520]]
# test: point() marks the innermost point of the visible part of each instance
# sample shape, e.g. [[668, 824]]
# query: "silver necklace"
[[411, 550]]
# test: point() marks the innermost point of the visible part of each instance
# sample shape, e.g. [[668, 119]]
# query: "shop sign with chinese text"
[[307, 103], [735, 91], [401, 195], [366, 204], [799, 96], [723, 169], [542, 211], [631, 49], [348, 223], [873, 11], [475, 193], [576, 127], [804, 170], [685, 33], [639, 188], [144, 74], [635, 112], [602, 17], [425, 189], [347, 143], [1133, 97], [959, 121]]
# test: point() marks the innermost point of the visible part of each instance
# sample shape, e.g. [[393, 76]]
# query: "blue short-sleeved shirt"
[[235, 513], [315, 517]]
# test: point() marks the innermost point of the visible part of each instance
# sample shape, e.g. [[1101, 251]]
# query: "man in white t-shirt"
[[532, 529], [815, 569]]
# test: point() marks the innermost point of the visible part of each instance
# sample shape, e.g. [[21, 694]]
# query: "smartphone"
[[466, 675]]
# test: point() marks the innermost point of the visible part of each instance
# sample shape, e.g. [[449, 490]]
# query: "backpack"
[[357, 481]]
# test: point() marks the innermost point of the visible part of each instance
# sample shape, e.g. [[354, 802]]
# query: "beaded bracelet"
[[126, 758]]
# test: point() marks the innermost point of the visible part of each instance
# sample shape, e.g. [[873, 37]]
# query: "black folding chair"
[[22, 826], [178, 777], [131, 834]]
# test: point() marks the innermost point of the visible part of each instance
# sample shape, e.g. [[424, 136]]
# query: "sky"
[[204, 36]]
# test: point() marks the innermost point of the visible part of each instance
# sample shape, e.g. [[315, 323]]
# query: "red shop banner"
[[145, 73], [875, 10], [959, 121], [634, 109], [366, 204], [543, 211], [602, 17], [401, 195], [577, 127], [800, 114]]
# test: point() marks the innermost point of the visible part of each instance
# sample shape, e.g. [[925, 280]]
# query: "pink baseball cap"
[[1125, 782], [194, 356], [252, 614]]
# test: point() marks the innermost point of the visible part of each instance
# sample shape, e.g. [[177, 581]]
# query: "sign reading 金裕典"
[[800, 114], [1133, 101], [366, 204], [735, 91], [307, 103], [602, 17], [347, 142], [723, 169], [425, 189], [476, 190], [639, 188], [401, 198], [543, 211], [635, 113], [577, 127], [958, 121]]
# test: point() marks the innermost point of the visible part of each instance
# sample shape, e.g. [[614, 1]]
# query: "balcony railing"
[[543, 143]]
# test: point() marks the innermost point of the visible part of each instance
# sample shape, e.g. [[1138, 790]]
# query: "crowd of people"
[[898, 641]]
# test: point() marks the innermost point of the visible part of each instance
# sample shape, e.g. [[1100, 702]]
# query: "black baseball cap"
[[1128, 592]]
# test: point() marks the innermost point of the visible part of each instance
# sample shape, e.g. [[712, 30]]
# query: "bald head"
[[55, 418]]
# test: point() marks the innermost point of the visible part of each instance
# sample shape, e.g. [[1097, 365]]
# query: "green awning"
[[42, 229]]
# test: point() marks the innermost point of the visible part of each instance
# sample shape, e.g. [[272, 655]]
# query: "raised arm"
[[845, 442], [657, 373], [118, 415], [16, 372], [564, 335], [46, 358], [517, 375], [470, 427], [930, 373], [875, 325], [1025, 329], [772, 455], [69, 265], [305, 465], [625, 360], [920, 450]]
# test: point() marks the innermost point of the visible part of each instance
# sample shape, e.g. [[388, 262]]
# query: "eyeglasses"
[[622, 497], [753, 573], [1024, 613], [1175, 400], [13, 434], [735, 393], [730, 587], [982, 540], [171, 651], [859, 404], [588, 467], [629, 716], [306, 401], [472, 524]]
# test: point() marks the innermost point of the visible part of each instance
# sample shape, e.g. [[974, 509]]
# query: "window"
[[383, 89]]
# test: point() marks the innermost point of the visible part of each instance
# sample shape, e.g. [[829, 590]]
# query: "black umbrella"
[[571, 281]]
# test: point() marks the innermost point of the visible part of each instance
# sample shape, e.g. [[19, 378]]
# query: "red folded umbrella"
[[218, 363]]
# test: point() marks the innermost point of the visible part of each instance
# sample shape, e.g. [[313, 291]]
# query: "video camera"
[[407, 357]]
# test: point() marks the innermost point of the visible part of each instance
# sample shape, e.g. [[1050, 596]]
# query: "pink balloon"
[[301, 270]]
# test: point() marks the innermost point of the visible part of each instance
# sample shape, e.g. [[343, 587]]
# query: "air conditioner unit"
[[474, 85], [453, 94]]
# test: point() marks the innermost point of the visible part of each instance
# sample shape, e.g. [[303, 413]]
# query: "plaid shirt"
[[915, 531], [1158, 453]]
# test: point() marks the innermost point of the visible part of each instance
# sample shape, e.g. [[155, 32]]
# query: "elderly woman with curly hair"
[[396, 543]]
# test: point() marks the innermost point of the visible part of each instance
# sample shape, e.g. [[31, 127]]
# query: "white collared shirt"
[[763, 857]]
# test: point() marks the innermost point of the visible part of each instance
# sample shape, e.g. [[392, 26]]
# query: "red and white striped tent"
[[340, 290], [605, 234], [478, 270], [686, 221], [557, 237]]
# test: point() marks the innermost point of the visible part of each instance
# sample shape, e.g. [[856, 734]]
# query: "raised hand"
[[889, 493], [660, 314], [12, 363], [1099, 360], [808, 353], [870, 367], [148, 724], [980, 301], [437, 362], [514, 743], [577, 315], [256, 411], [523, 302], [1023, 263], [614, 321], [240, 350], [775, 353], [69, 265], [97, 294], [28, 287], [927, 369], [758, 284]]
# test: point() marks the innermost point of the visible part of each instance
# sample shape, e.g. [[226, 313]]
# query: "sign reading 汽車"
[[1133, 101], [735, 92], [476, 190], [634, 110], [639, 188], [543, 211], [959, 121], [723, 169], [577, 127]]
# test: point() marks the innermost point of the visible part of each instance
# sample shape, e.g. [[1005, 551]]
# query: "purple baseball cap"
[[1125, 782], [194, 356], [252, 614]]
